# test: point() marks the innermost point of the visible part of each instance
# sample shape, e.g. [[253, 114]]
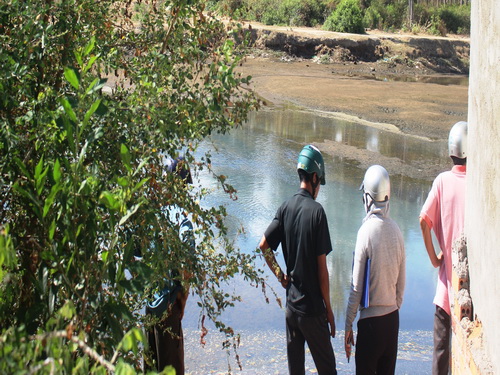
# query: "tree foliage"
[[430, 16], [93, 97], [346, 18]]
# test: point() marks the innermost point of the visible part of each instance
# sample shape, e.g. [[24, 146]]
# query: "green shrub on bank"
[[302, 12], [436, 26], [442, 20], [346, 18], [455, 18]]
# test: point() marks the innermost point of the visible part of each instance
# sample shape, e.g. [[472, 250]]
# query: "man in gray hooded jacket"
[[378, 280]]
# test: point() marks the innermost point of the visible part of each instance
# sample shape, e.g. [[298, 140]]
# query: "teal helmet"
[[311, 161]]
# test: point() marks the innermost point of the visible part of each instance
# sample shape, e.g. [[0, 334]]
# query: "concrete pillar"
[[482, 223]]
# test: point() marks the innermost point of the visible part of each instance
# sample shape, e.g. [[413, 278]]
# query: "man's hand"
[[284, 280], [438, 261], [331, 320], [348, 344]]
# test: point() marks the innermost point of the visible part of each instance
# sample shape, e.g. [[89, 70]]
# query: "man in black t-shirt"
[[301, 227]]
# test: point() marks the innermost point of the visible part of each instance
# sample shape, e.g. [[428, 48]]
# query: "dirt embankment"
[[371, 78], [437, 54]]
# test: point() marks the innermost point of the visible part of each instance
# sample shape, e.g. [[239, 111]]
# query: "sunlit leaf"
[[68, 109], [91, 111], [52, 228], [57, 171], [109, 200], [72, 77], [122, 181], [90, 63], [123, 368], [126, 157], [129, 213], [89, 47], [68, 310]]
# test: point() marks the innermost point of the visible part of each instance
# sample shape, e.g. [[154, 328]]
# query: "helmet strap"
[[367, 201]]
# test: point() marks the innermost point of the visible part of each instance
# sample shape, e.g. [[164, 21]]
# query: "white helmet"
[[376, 183], [457, 141]]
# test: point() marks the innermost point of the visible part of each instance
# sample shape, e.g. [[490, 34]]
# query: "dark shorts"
[[377, 344], [313, 330], [166, 342], [442, 340]]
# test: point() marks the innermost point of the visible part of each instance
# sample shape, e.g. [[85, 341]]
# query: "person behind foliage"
[[165, 336]]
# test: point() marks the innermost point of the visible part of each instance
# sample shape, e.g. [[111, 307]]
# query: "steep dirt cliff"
[[428, 53]]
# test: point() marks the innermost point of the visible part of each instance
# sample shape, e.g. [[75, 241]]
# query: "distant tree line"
[[437, 17]]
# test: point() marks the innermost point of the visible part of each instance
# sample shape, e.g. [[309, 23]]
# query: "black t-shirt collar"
[[304, 192]]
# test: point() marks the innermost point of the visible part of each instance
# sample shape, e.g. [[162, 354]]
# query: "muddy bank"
[[416, 108], [436, 54], [354, 83]]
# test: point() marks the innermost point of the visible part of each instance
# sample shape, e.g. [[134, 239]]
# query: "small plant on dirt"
[[437, 26]]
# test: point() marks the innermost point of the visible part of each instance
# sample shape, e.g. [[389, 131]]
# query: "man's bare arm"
[[436, 260], [272, 263]]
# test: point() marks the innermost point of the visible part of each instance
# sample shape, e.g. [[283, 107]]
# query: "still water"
[[260, 160]]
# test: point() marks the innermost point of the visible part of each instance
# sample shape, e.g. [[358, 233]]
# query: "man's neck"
[[307, 186]]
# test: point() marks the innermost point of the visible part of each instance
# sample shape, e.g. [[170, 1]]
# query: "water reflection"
[[260, 160], [446, 80]]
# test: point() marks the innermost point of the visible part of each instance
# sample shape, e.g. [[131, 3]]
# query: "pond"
[[260, 160]]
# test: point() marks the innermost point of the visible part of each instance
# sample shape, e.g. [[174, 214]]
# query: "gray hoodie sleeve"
[[401, 283], [360, 257]]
